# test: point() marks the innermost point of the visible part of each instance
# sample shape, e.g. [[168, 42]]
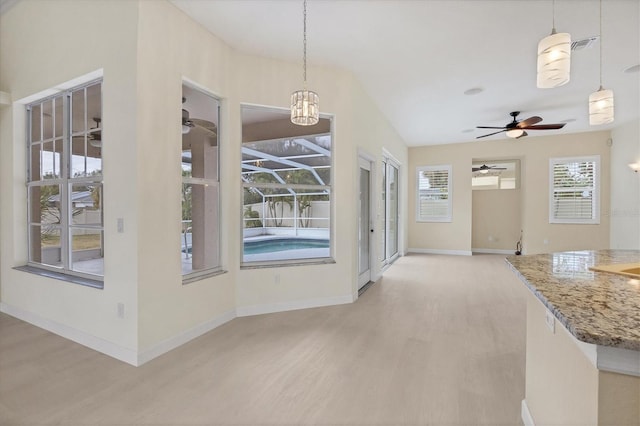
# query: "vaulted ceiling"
[[417, 58]]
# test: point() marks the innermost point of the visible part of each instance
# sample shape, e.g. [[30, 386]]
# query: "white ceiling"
[[416, 58]]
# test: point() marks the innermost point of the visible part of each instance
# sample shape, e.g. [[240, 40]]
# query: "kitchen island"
[[583, 338]]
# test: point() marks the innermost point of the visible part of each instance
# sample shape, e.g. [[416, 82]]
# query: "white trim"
[[492, 251], [448, 218], [439, 251], [245, 311], [367, 156], [618, 360], [108, 348], [183, 337], [78, 81], [526, 414], [595, 203]]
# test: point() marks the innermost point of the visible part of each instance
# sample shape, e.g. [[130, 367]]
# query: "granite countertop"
[[596, 307]]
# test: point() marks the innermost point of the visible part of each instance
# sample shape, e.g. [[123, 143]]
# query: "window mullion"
[[65, 197]]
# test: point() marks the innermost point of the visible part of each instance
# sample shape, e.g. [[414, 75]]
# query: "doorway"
[[365, 224], [390, 210]]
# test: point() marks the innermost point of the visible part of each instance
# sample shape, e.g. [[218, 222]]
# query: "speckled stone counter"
[[596, 307]]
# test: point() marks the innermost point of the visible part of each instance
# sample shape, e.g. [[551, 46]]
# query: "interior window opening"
[[286, 179], [200, 198]]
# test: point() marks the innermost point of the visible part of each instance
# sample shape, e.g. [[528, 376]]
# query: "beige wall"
[[534, 153], [146, 48], [35, 56], [625, 186], [496, 219]]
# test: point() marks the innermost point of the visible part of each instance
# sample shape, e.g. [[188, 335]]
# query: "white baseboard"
[[492, 251], [108, 348], [526, 414], [438, 251], [245, 311], [183, 337]]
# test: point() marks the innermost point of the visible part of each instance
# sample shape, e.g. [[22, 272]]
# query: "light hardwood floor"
[[440, 340]]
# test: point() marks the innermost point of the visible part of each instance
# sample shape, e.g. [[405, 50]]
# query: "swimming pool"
[[283, 244]]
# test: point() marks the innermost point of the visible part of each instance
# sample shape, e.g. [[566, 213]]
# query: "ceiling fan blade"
[[491, 134], [528, 122], [475, 169], [546, 126], [498, 168], [488, 127], [522, 135], [205, 125]]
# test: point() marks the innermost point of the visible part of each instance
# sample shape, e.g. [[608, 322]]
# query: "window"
[[286, 180], [64, 182], [433, 202], [574, 191], [200, 237]]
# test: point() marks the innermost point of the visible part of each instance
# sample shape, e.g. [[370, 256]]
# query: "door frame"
[[387, 160], [370, 160]]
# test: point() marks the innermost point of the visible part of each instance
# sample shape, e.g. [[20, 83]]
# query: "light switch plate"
[[550, 320]]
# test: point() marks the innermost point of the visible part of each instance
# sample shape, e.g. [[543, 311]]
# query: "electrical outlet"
[[545, 241], [120, 310], [550, 320]]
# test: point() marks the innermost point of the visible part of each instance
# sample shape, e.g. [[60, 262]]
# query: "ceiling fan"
[[209, 128], [516, 129], [95, 138], [485, 169]]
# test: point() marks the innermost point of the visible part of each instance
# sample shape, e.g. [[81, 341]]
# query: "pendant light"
[[601, 101], [554, 58], [304, 103]]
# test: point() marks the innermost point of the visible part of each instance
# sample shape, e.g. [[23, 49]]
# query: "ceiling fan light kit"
[[515, 133], [601, 102], [518, 129], [305, 110]]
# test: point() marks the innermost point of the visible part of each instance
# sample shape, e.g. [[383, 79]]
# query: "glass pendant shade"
[[305, 110], [554, 60], [515, 133], [601, 107]]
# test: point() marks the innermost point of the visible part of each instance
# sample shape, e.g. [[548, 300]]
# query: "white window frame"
[[249, 264], [199, 274], [448, 217], [65, 182], [595, 202]]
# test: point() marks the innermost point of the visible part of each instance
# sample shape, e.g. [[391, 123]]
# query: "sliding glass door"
[[390, 202]]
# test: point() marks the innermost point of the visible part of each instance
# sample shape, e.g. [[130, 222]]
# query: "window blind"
[[574, 190], [434, 194]]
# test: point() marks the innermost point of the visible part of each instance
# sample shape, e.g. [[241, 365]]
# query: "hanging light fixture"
[[304, 103], [601, 101], [554, 58]]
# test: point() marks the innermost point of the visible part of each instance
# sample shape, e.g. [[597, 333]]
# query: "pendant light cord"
[[304, 43], [553, 17], [600, 45]]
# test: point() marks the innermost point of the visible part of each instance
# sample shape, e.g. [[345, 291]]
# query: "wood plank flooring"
[[438, 341]]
